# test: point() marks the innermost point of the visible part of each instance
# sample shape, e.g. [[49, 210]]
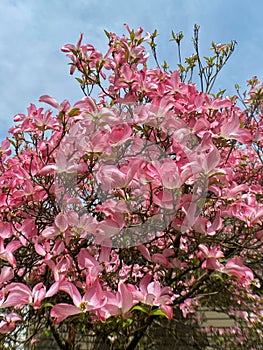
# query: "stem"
[[196, 46], [179, 53], [138, 335], [55, 333]]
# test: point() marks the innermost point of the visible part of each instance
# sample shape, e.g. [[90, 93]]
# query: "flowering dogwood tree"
[[143, 198]]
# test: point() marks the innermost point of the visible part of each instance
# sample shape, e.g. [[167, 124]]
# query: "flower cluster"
[[132, 203]]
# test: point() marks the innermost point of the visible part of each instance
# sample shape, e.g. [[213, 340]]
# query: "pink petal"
[[61, 222], [49, 100], [212, 160], [144, 283], [72, 290], [168, 310], [7, 273], [127, 298], [62, 311], [145, 252]]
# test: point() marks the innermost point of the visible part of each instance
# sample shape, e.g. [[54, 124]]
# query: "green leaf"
[[220, 93], [47, 304], [173, 36], [79, 80], [158, 312], [218, 276], [74, 112], [141, 308], [181, 67], [165, 65], [47, 333], [12, 141], [107, 33], [154, 34], [127, 322], [132, 35]]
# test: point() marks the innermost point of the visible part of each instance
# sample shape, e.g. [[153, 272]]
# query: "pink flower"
[[211, 161], [59, 270], [70, 47], [235, 267], [148, 173], [63, 107], [6, 253], [170, 174], [205, 163], [121, 302], [90, 264], [252, 214], [188, 306], [62, 165], [211, 255], [119, 134], [259, 235], [20, 294], [157, 257], [111, 177], [6, 274], [151, 293], [207, 252], [8, 323], [212, 227], [6, 229], [60, 226], [231, 130], [50, 100], [91, 301]]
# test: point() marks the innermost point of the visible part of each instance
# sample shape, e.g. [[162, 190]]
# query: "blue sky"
[[33, 31]]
